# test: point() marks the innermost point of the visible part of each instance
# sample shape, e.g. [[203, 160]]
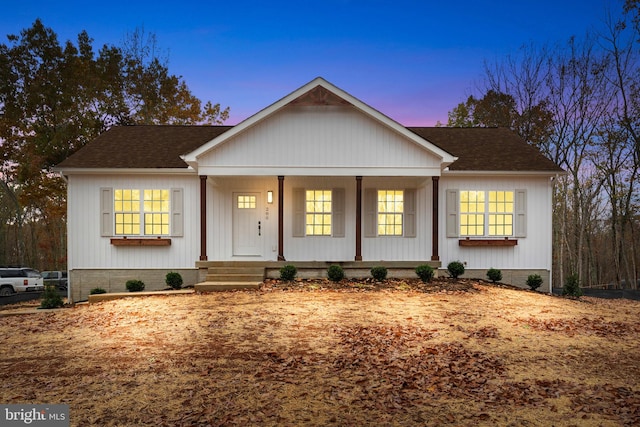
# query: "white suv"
[[18, 279]]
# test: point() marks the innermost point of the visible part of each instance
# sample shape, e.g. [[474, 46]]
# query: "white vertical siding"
[[220, 216], [532, 251], [326, 136], [88, 249]]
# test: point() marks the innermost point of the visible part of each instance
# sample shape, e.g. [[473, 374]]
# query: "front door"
[[247, 224]]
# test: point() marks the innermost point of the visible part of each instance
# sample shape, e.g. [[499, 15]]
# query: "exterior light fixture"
[[269, 196]]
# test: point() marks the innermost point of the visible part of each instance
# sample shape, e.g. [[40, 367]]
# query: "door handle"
[[259, 228]]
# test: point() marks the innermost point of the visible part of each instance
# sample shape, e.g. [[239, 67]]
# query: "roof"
[[487, 149], [140, 147]]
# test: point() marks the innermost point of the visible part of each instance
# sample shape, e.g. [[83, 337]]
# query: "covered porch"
[[266, 219]]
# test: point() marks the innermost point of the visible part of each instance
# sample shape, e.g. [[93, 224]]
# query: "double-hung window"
[[318, 212], [141, 212], [390, 212], [486, 213]]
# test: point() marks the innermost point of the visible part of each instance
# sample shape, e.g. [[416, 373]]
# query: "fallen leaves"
[[345, 356]]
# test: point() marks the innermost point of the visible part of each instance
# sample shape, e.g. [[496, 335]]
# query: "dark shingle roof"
[[477, 149], [487, 149], [142, 147]]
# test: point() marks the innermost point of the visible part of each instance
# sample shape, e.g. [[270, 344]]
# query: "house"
[[316, 178]]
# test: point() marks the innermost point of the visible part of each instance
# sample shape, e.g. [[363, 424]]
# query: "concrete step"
[[235, 277], [225, 286], [236, 270], [227, 274]]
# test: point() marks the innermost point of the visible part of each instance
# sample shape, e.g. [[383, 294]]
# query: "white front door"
[[247, 224]]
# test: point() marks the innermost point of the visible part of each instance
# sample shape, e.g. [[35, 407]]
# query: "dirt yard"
[[460, 354]]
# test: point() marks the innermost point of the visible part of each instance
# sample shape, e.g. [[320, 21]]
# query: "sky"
[[413, 60]]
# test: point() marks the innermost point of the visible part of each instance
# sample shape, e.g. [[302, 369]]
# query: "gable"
[[316, 137], [317, 94]]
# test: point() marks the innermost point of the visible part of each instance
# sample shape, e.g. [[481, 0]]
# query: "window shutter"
[[106, 212], [338, 212], [410, 221], [177, 216], [452, 213], [298, 207], [520, 208], [370, 212]]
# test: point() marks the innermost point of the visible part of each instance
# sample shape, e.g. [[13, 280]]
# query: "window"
[[486, 213], [318, 212], [472, 213], [390, 212], [156, 212], [500, 213], [246, 202], [141, 212], [127, 211]]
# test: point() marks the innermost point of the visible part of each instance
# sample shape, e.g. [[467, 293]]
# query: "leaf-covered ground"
[[308, 353]]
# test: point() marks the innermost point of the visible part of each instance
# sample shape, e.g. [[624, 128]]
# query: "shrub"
[[455, 269], [572, 286], [379, 273], [424, 272], [174, 280], [335, 273], [288, 272], [494, 275], [96, 291], [135, 285], [534, 281], [51, 298]]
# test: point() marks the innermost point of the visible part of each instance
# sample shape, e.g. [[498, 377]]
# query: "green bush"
[[135, 285], [494, 275], [174, 280], [572, 286], [96, 291], [335, 273], [534, 281], [51, 298], [379, 273], [424, 272], [455, 269], [288, 272]]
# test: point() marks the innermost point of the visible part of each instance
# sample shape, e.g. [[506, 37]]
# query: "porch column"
[[281, 218], [434, 219], [358, 218], [203, 217]]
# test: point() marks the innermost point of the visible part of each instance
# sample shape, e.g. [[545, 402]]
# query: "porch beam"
[[281, 218], [434, 218], [203, 218], [358, 218]]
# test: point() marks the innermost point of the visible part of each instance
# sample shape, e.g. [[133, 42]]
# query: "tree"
[[499, 109], [55, 98]]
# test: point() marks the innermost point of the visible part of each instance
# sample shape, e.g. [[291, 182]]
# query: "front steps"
[[228, 278]]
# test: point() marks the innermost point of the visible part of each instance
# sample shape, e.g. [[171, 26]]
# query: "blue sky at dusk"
[[412, 60]]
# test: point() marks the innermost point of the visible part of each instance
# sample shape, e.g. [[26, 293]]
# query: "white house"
[[316, 178]]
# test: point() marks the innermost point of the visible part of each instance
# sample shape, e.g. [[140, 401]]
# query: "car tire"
[[6, 291]]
